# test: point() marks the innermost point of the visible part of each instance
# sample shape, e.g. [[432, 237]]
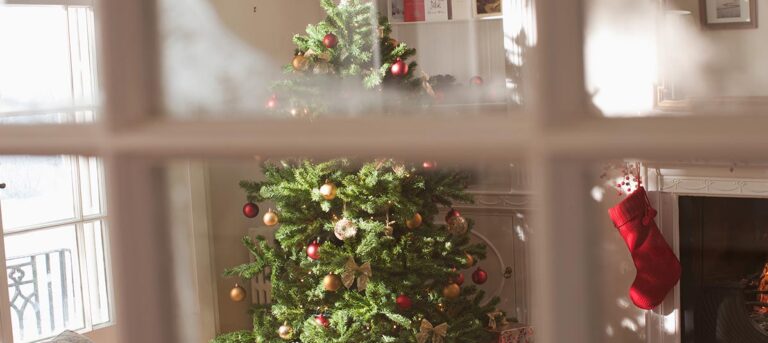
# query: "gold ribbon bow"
[[426, 330], [324, 56], [492, 319], [352, 271]]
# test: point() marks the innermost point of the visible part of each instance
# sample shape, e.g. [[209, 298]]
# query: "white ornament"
[[344, 229], [457, 225]]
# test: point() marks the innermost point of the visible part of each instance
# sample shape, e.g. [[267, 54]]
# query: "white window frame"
[[559, 136], [79, 220]]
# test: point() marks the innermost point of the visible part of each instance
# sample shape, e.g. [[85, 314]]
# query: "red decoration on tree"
[[330, 40], [452, 213], [404, 303], [476, 80], [250, 210], [658, 269], [429, 164], [399, 68], [459, 279], [272, 102], [479, 276], [322, 320], [313, 250]]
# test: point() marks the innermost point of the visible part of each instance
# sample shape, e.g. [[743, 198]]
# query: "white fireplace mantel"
[[666, 182]]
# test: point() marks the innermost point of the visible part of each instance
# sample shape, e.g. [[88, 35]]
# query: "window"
[[53, 206], [47, 66], [559, 136], [55, 244]]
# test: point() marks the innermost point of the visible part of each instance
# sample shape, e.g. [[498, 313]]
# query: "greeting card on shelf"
[[395, 8], [436, 10]]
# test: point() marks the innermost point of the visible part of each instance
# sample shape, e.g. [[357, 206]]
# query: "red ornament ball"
[[459, 279], [250, 210], [399, 68], [313, 250], [452, 213], [272, 103], [476, 80], [429, 165], [322, 320], [404, 303], [479, 276], [330, 41]]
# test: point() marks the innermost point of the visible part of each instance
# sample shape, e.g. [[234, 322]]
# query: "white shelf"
[[405, 23]]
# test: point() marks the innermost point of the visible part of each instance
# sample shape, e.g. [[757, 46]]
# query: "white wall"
[[728, 62], [623, 322], [268, 25], [463, 49], [229, 226]]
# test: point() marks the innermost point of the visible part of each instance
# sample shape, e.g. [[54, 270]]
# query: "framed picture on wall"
[[486, 8], [395, 9], [728, 14]]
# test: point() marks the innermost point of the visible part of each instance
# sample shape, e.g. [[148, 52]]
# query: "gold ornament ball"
[[331, 283], [451, 291], [328, 190], [441, 307], [237, 293], [413, 222], [285, 331], [270, 218], [299, 62], [470, 261]]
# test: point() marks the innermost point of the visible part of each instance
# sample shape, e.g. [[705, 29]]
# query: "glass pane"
[[293, 59], [683, 237], [676, 56], [39, 190], [427, 273], [44, 283], [47, 68], [97, 271]]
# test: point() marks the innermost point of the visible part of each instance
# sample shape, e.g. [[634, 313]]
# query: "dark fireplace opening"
[[723, 252]]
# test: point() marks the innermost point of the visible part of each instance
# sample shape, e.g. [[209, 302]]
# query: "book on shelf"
[[413, 10]]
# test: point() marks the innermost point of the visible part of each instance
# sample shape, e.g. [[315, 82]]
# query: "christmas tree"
[[358, 257], [342, 60]]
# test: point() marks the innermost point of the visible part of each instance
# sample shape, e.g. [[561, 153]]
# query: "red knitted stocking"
[[658, 269]]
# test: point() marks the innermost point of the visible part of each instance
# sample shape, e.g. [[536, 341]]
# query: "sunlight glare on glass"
[[34, 63]]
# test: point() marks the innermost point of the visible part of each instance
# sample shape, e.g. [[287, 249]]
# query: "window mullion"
[[557, 64], [6, 327], [105, 241], [77, 186], [130, 66], [145, 311], [563, 248], [85, 287]]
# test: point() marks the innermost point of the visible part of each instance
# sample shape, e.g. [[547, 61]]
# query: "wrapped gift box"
[[514, 333]]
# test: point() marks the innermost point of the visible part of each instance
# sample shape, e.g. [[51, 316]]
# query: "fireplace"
[[723, 247]]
